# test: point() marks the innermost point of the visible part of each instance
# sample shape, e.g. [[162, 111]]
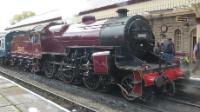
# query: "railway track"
[[192, 83], [186, 99], [172, 105], [112, 103], [183, 105], [64, 102], [73, 105], [155, 109], [183, 102]]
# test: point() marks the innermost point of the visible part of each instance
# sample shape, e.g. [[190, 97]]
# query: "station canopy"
[[34, 21], [93, 4]]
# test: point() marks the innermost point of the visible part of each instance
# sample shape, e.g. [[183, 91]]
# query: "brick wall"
[[185, 28]]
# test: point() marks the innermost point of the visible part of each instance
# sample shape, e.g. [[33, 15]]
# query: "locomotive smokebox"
[[122, 12], [133, 33]]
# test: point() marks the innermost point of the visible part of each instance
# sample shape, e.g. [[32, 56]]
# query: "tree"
[[18, 17]]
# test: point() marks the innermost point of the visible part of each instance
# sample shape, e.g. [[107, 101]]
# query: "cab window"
[[0, 43], [35, 38]]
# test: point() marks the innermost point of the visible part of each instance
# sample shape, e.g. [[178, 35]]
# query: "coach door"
[[193, 40], [2, 44], [36, 46]]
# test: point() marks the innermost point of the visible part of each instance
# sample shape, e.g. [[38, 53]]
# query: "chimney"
[[88, 19], [122, 12]]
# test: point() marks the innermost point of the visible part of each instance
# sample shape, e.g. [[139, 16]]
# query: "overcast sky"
[[9, 8]]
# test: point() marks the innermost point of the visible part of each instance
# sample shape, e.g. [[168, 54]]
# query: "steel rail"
[[151, 108], [83, 107], [73, 103], [183, 102]]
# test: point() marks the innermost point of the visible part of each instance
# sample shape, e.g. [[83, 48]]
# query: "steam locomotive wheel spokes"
[[65, 76], [12, 62], [170, 87], [49, 69], [1, 61], [127, 85], [68, 77], [92, 81], [77, 78]]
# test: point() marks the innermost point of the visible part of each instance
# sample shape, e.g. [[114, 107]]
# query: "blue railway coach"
[[3, 52], [5, 45]]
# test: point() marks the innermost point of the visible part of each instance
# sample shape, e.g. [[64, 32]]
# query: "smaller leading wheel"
[[65, 75], [127, 85], [92, 81], [49, 69], [170, 88]]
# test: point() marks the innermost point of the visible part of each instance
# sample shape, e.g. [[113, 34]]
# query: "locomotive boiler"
[[116, 51]]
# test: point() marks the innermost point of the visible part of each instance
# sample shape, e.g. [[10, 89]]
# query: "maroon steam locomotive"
[[98, 54]]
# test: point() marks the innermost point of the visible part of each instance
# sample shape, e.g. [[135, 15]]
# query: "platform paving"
[[14, 98], [197, 74]]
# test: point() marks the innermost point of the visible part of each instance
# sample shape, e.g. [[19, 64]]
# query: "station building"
[[176, 19]]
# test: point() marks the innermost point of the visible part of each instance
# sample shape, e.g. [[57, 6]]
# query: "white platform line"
[[195, 78], [37, 95]]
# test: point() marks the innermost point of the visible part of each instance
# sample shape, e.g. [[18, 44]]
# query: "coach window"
[[177, 39], [31, 37], [37, 39], [2, 43]]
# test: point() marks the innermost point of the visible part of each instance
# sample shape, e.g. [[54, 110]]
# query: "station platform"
[[14, 98], [196, 75]]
